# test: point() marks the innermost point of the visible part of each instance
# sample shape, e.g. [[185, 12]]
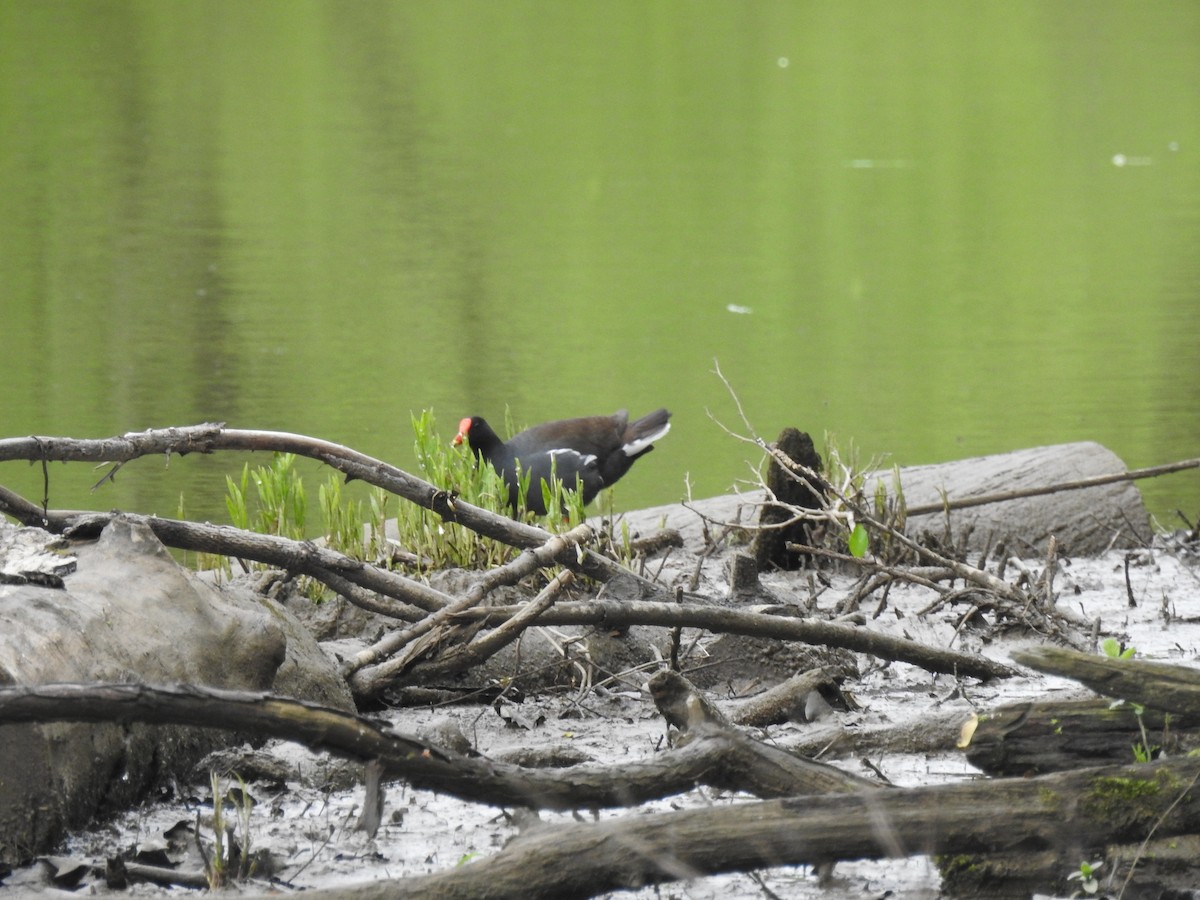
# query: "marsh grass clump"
[[282, 506], [229, 858]]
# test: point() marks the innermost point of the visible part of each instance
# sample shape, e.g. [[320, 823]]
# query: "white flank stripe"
[[575, 454]]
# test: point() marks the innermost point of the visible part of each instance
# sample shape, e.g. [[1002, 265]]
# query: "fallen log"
[[1028, 503], [733, 621], [1035, 738], [128, 610], [724, 759], [1164, 686]]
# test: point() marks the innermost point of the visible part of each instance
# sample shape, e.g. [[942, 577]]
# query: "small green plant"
[[280, 508], [1142, 753], [847, 475], [858, 541], [1114, 649], [1144, 750], [230, 857], [282, 505], [343, 519], [1086, 875], [377, 548], [892, 510]]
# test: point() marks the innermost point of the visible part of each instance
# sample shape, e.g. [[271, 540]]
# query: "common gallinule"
[[596, 450]]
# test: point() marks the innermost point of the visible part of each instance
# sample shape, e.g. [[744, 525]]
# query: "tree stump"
[[770, 543]]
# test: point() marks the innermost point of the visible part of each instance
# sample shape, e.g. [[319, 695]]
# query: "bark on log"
[[1036, 738], [1083, 522], [1162, 686], [733, 621]]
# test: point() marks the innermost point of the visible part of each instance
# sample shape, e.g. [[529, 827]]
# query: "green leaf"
[[858, 541], [1112, 649]]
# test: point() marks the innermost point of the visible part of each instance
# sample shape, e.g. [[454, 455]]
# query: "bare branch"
[[212, 437]]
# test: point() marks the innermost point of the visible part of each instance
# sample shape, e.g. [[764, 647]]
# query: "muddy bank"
[[900, 721], [305, 815]]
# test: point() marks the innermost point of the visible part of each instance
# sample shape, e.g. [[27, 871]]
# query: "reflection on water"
[[937, 232]]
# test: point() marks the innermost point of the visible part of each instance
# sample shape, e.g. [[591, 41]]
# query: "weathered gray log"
[[1083, 522], [1055, 816], [1171, 688], [130, 612], [1035, 738]]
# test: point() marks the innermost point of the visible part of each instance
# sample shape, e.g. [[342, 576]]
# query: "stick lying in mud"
[[720, 762]]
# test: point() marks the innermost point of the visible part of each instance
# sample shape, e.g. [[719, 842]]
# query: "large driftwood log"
[[1084, 522], [129, 611]]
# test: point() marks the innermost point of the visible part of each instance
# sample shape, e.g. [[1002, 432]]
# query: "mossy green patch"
[[1123, 799]]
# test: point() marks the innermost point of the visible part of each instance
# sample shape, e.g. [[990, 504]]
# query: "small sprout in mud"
[[1114, 649], [230, 858], [1086, 875], [1143, 751]]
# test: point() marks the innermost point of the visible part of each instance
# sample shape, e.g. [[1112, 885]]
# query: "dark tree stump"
[[770, 544]]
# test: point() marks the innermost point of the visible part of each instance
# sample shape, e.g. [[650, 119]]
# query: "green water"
[[936, 229]]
